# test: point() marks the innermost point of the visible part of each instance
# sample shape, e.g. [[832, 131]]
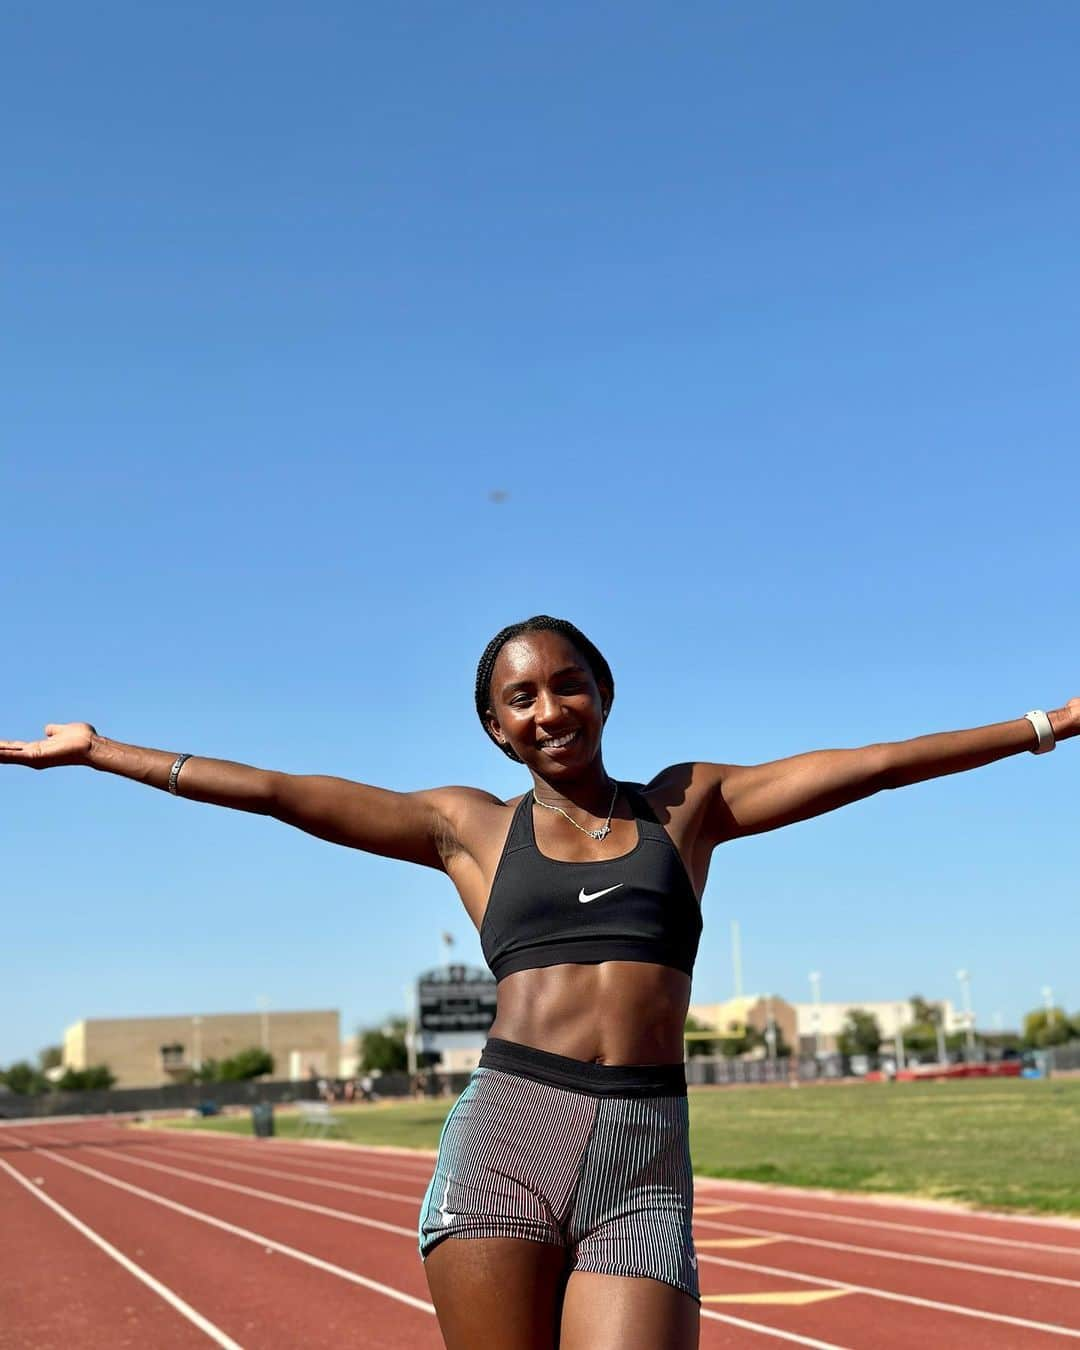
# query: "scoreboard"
[[455, 998]]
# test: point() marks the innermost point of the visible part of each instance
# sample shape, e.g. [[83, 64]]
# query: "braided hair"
[[539, 623]]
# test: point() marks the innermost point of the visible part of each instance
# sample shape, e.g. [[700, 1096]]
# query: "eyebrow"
[[509, 689]]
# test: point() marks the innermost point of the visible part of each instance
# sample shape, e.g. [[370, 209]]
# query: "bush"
[[23, 1078], [94, 1079], [253, 1062]]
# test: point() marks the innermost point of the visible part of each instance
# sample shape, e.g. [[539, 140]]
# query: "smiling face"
[[546, 704]]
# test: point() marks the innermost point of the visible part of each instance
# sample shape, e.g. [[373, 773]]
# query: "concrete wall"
[[132, 1046]]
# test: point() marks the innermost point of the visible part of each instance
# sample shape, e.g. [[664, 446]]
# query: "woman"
[[560, 1209]]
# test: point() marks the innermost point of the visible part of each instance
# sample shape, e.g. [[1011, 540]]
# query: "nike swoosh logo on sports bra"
[[585, 899]]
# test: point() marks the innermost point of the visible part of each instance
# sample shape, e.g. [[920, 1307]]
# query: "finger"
[[53, 728]]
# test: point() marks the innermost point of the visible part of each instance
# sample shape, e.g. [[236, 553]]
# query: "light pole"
[[901, 1062], [196, 1043], [815, 989], [736, 958], [410, 1027], [939, 1027], [969, 1017], [1048, 1004], [263, 1005], [770, 1029]]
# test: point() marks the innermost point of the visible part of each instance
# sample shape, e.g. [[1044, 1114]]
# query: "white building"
[[891, 1015]]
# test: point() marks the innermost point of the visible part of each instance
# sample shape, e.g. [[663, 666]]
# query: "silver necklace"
[[601, 833]]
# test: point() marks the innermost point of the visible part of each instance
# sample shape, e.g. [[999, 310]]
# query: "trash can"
[[262, 1120]]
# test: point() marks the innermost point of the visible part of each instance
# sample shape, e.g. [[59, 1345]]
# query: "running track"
[[112, 1236]]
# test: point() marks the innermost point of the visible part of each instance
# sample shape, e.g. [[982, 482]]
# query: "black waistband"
[[580, 1075]]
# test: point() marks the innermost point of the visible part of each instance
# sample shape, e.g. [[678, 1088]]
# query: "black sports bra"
[[639, 907]]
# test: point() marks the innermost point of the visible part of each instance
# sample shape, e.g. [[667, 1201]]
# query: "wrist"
[[1064, 723], [97, 752]]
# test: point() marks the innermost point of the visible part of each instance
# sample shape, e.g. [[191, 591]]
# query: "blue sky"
[[763, 316]]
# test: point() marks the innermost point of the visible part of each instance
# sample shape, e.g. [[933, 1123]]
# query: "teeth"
[[560, 740]]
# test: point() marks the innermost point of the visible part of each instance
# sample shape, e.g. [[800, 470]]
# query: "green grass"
[[1004, 1144], [1008, 1144], [402, 1124]]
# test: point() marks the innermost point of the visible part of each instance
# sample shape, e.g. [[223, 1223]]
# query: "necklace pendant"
[[601, 833]]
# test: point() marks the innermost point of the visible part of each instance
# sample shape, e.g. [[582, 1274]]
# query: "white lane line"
[[881, 1201], [770, 1331], [946, 1234], [245, 1233], [173, 1300], [289, 1176], [999, 1272], [1050, 1327], [261, 1195], [260, 1148]]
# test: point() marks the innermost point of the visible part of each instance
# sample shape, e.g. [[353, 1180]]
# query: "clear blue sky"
[[765, 316]]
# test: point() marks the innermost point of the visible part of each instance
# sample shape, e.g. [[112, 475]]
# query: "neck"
[[591, 792]]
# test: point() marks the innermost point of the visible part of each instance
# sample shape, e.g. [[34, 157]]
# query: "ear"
[[606, 699], [496, 731]]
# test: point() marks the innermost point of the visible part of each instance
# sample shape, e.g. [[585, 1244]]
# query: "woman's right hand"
[[64, 743]]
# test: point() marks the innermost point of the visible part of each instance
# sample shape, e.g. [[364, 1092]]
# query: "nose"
[[548, 707]]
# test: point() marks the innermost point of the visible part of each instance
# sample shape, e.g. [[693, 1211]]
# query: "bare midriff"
[[617, 1012]]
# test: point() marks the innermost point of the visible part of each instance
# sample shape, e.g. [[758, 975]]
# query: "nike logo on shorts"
[[587, 899]]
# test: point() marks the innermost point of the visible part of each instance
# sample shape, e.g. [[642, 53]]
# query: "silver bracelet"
[[174, 772], [1044, 732]]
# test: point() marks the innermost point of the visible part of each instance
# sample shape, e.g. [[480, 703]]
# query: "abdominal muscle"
[[616, 1012]]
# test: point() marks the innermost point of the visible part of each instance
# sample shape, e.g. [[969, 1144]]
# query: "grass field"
[[999, 1144]]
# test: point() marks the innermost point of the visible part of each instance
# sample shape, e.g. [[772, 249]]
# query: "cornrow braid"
[[539, 623]]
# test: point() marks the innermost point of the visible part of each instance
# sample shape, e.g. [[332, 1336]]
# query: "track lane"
[[874, 1316], [255, 1291], [864, 1267], [783, 1281], [1053, 1233], [1025, 1268], [60, 1289], [852, 1321]]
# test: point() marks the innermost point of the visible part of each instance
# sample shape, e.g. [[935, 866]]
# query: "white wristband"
[[1044, 732]]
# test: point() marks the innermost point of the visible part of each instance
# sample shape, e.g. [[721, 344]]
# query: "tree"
[[250, 1063], [861, 1034], [742, 1039], [94, 1078], [703, 1046], [23, 1078], [50, 1058], [921, 1034], [1044, 1027], [253, 1062], [383, 1048]]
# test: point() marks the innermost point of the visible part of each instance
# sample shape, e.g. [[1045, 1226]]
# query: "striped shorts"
[[594, 1158]]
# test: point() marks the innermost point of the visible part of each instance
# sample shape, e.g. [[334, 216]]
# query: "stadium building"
[[891, 1015], [151, 1051], [756, 1011]]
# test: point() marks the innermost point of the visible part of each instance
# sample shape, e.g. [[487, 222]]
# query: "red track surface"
[[275, 1244]]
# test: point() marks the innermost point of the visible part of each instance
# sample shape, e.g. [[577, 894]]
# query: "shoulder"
[[459, 801], [682, 785], [467, 817], [688, 800]]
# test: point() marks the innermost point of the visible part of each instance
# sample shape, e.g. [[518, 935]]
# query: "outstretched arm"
[[750, 799], [412, 826]]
